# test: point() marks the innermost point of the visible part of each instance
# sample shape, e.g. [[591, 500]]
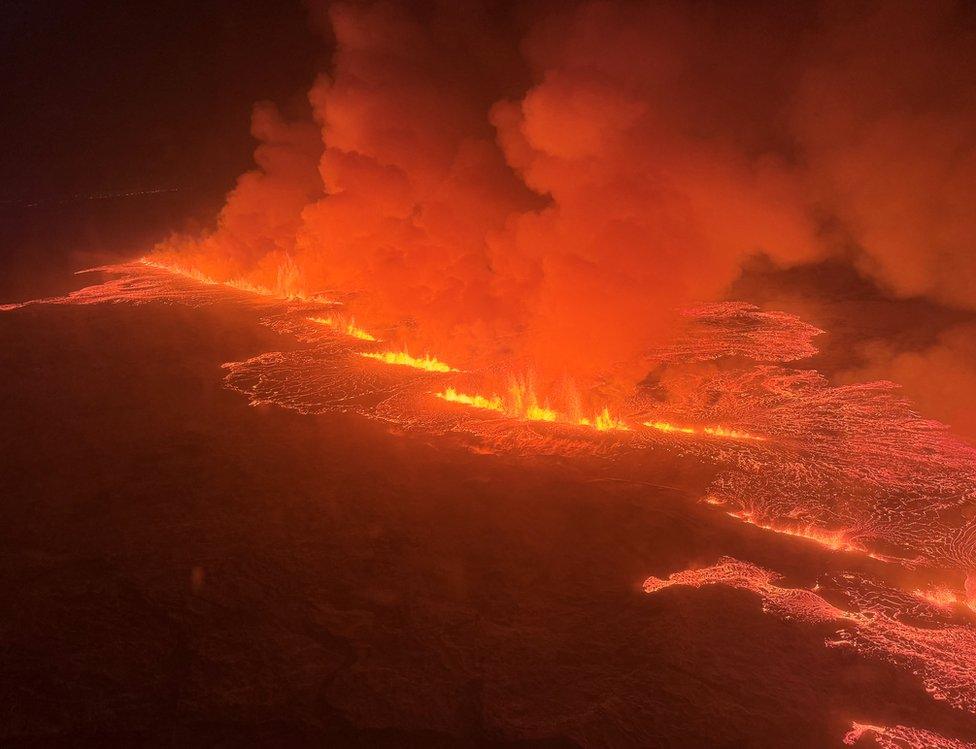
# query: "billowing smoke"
[[940, 378], [885, 114], [547, 183]]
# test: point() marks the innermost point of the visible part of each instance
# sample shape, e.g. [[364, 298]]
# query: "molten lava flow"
[[902, 737], [740, 329], [476, 401], [540, 413], [730, 433], [876, 621], [283, 290], [790, 603], [522, 405], [605, 422], [835, 540], [946, 597], [523, 402], [716, 431], [855, 458], [664, 426], [349, 328], [402, 358]]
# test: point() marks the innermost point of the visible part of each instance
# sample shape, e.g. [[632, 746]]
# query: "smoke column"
[[547, 184]]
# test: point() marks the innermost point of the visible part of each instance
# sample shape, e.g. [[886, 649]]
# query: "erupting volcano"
[[561, 374]]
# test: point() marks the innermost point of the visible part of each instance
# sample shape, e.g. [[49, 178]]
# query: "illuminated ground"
[[181, 567]]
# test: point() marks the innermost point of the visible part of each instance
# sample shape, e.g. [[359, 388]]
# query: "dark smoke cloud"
[[550, 182], [885, 114], [940, 379]]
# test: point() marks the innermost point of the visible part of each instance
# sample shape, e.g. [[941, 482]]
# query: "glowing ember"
[[349, 328], [402, 358]]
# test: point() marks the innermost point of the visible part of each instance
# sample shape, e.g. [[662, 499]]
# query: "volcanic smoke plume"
[[533, 302], [547, 184]]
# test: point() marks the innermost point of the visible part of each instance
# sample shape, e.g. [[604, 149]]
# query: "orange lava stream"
[[902, 737], [945, 597], [349, 328], [522, 401], [715, 431], [664, 426], [402, 358], [835, 540], [855, 457], [522, 405], [798, 604], [876, 621], [237, 283], [475, 401], [605, 422]]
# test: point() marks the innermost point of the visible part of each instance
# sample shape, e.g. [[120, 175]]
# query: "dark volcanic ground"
[[178, 568]]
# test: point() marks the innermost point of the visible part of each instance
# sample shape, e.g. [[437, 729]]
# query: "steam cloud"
[[547, 183]]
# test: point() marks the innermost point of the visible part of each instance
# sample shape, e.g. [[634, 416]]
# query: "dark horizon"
[[103, 100]]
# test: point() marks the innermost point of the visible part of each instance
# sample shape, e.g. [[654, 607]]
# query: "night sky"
[[114, 98]]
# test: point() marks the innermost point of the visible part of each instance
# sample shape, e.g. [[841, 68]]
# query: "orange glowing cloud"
[[548, 188]]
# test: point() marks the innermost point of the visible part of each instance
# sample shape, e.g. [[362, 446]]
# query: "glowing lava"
[[522, 405], [876, 621], [945, 597], [285, 286], [475, 401], [716, 431], [731, 434], [902, 737], [605, 422], [664, 426], [349, 328], [836, 540], [403, 359], [855, 458]]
